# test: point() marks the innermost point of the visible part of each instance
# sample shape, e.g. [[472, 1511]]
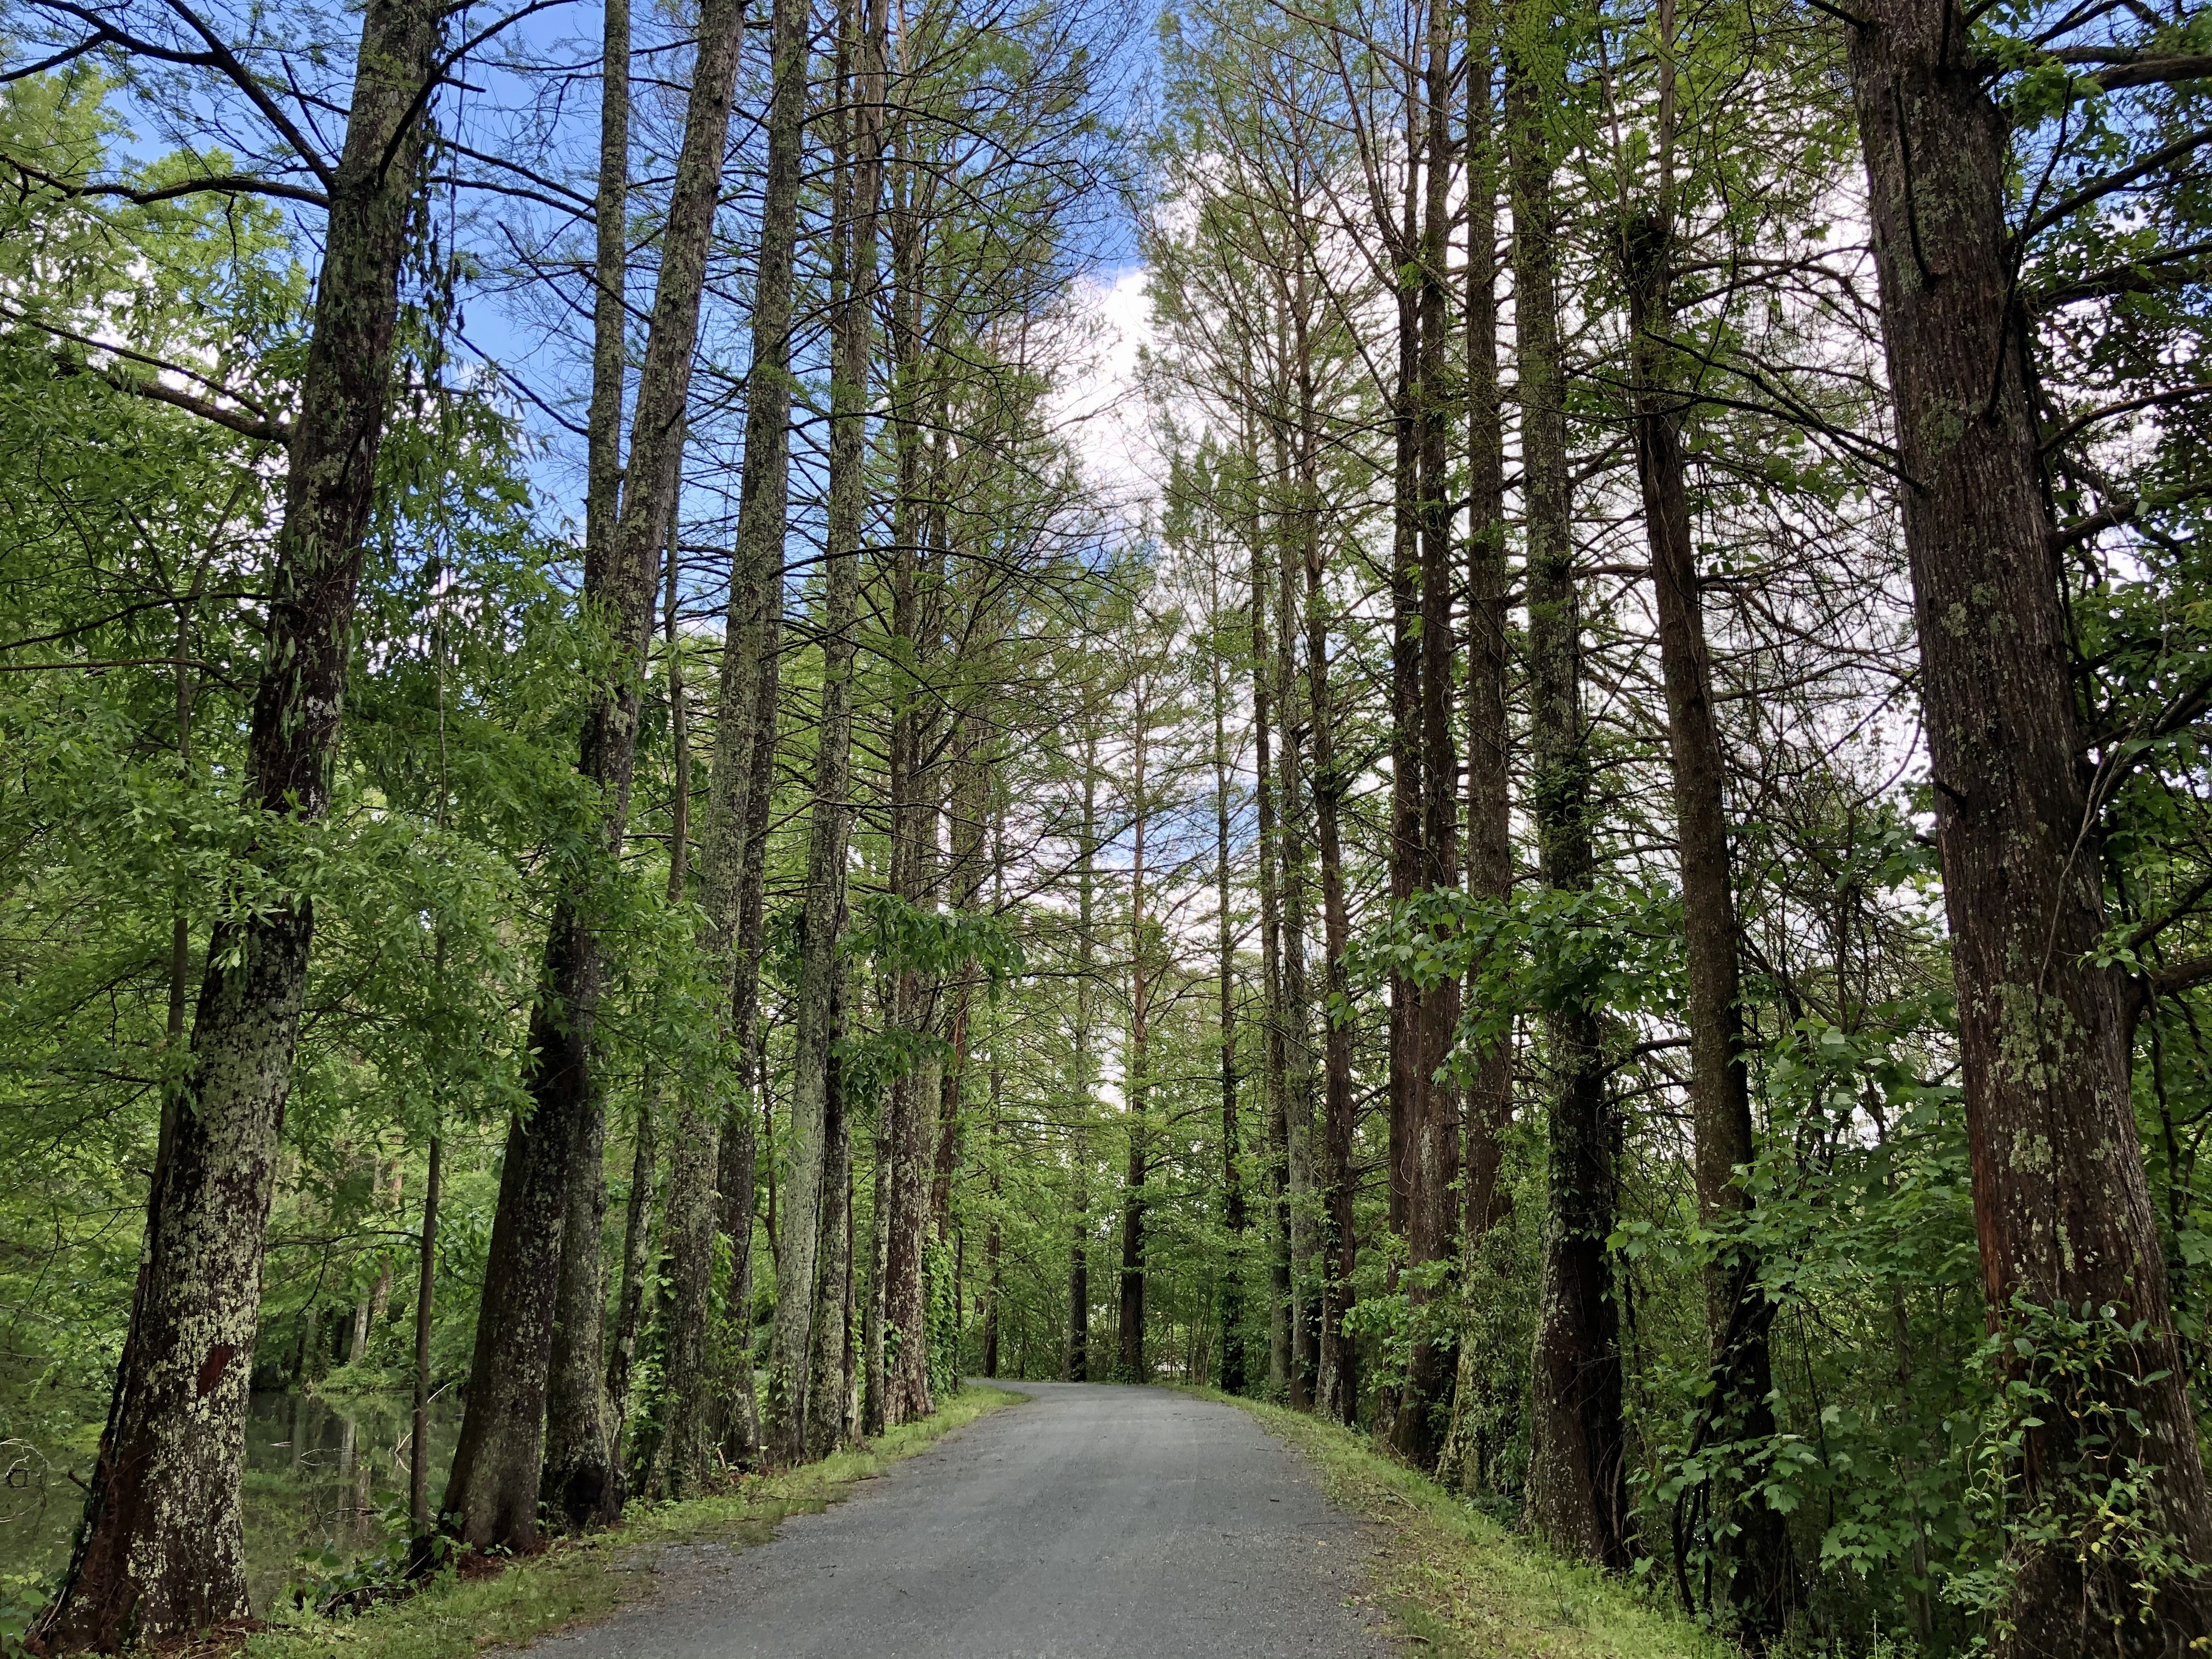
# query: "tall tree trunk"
[[1233, 1378], [683, 1454], [581, 1479], [853, 277], [631, 1310], [2062, 1205], [1297, 1017], [993, 1241], [162, 1545], [1489, 1105], [1752, 1537], [1337, 1389], [426, 1285], [1271, 964], [967, 801], [492, 1498], [763, 504], [909, 1136], [1402, 240], [1431, 1171], [1079, 1253], [831, 1364], [874, 1387], [1129, 1360], [1578, 1474]]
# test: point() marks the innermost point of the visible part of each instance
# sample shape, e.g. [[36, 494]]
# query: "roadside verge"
[[578, 1579], [1464, 1587]]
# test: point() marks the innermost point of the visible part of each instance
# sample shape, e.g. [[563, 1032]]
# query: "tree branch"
[[2119, 181]]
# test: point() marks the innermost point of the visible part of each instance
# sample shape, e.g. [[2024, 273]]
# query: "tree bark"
[[492, 1498], [1079, 1256], [1271, 964], [854, 275], [1431, 1171], [1233, 1378], [1129, 1359], [581, 1479], [1297, 1027], [631, 1297], [631, 1311], [418, 1449], [827, 1399], [1336, 1393], [162, 1548], [914, 1103], [2062, 1204], [764, 505], [1578, 1475]]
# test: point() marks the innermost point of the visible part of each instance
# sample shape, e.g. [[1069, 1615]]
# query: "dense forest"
[[1488, 717]]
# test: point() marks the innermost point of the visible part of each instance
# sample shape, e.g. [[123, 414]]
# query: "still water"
[[316, 1472]]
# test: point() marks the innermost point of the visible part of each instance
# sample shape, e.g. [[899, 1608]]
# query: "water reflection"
[[317, 1471]]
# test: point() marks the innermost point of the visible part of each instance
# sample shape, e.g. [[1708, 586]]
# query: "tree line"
[[613, 812]]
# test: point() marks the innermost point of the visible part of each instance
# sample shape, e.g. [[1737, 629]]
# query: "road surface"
[[1089, 1523]]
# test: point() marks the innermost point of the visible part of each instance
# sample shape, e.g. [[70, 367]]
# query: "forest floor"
[[1460, 1585]]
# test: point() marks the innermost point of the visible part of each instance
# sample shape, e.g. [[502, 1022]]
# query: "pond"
[[316, 1472]]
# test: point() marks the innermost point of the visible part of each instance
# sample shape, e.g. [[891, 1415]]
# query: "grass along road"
[[1460, 1585], [583, 1578]]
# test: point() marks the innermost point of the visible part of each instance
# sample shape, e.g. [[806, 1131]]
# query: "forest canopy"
[[1487, 718]]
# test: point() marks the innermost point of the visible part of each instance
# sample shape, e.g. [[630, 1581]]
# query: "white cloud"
[[1099, 404]]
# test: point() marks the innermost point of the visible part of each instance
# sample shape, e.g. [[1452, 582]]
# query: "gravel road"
[[1089, 1523]]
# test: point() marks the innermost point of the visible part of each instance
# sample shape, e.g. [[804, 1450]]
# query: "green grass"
[[582, 1579], [1462, 1587]]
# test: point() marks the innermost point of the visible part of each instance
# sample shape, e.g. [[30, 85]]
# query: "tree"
[[161, 1547]]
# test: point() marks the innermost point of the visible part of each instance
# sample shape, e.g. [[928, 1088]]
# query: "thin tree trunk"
[[826, 1401], [1297, 1027], [910, 1135], [1336, 1393], [1078, 1255], [967, 801], [683, 1454], [993, 1241], [1271, 961], [1578, 1475], [630, 1311], [1233, 1377], [418, 1449], [1129, 1359], [162, 1548], [874, 1380], [1752, 1538], [1489, 1104], [854, 254], [632, 1298], [2062, 1204]]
